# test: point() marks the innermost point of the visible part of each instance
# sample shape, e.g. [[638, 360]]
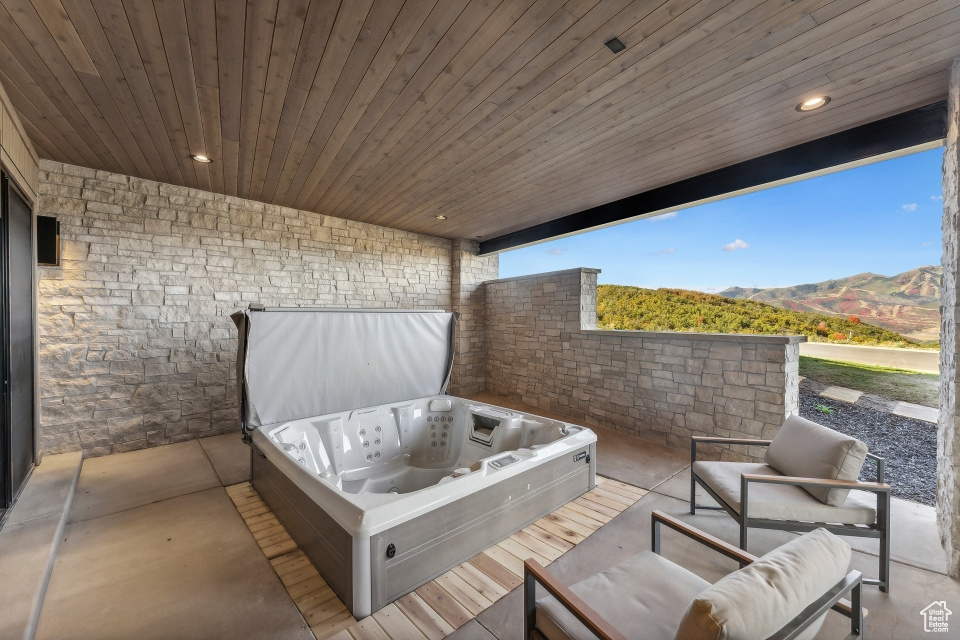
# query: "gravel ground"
[[909, 446]]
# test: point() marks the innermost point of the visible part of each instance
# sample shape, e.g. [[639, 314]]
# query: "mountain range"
[[907, 303]]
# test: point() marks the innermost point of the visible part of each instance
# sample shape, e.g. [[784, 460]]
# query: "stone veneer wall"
[[137, 348], [469, 271], [948, 442], [542, 348]]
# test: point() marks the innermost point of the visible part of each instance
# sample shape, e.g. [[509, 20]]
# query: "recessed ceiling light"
[[813, 103], [615, 45], [203, 159], [441, 217]]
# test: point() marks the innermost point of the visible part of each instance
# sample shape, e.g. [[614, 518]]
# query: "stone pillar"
[[948, 444], [469, 272], [588, 298]]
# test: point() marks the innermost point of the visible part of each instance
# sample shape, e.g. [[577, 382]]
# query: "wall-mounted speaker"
[[48, 241]]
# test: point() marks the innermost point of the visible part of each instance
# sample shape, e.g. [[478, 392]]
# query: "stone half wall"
[[137, 347], [542, 348]]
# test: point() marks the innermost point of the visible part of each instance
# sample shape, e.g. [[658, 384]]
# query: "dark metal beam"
[[908, 129]]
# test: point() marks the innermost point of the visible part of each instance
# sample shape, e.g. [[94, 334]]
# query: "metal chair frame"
[[534, 573], [880, 528]]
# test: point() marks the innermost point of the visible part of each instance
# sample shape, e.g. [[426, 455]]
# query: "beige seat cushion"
[[643, 597], [760, 599], [781, 502], [809, 450]]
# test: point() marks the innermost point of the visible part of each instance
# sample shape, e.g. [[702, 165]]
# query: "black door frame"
[[7, 483], [6, 470]]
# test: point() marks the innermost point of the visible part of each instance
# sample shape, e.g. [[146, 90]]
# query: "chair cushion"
[[804, 448], [763, 597], [781, 502], [642, 597]]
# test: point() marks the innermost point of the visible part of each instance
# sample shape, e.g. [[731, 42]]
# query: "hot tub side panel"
[[325, 542], [435, 542]]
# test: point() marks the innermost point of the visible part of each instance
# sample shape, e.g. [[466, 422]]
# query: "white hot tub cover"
[[295, 363]]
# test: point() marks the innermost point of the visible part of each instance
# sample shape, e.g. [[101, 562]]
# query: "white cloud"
[[937, 198], [927, 244], [910, 207], [665, 252], [664, 216], [557, 252], [736, 245]]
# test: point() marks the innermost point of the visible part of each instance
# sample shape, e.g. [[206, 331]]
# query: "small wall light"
[[48, 241], [813, 103], [203, 159], [441, 217]]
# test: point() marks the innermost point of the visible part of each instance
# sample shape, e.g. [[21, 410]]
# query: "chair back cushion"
[[804, 448], [763, 597]]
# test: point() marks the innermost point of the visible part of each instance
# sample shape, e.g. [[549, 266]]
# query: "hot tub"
[[385, 497]]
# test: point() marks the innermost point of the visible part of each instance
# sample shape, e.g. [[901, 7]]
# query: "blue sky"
[[884, 218]]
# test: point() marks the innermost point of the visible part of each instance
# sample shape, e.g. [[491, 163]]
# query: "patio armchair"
[[808, 480], [782, 595]]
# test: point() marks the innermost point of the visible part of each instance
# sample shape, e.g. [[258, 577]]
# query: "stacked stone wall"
[[469, 272], [136, 344], [948, 442], [542, 348]]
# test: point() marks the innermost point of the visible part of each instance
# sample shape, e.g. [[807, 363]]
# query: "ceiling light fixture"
[[813, 103], [203, 159], [441, 217], [615, 45]]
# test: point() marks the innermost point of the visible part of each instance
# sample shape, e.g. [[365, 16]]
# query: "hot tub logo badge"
[[935, 617]]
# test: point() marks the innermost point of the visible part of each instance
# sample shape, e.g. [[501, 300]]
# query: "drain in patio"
[[443, 605]]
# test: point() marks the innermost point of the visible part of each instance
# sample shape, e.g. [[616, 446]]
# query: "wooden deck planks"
[[443, 605], [334, 625], [523, 552], [468, 597], [315, 598], [496, 571], [368, 629], [547, 537], [437, 598], [396, 625], [581, 508], [537, 545], [423, 617], [481, 582], [587, 501]]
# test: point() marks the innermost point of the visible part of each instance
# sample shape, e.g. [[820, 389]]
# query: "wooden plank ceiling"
[[498, 114]]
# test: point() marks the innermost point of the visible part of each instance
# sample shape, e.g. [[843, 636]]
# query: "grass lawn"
[[896, 384]]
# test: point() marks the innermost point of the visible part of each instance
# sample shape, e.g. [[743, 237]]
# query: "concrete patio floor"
[[155, 549]]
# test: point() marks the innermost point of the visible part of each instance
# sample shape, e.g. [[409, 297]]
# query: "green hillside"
[[633, 308]]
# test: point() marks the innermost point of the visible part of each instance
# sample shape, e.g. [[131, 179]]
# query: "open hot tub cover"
[[295, 363]]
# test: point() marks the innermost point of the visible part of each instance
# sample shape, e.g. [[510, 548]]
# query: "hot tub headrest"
[[300, 363]]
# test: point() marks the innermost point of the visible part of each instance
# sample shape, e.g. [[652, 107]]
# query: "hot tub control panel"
[[500, 463]]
